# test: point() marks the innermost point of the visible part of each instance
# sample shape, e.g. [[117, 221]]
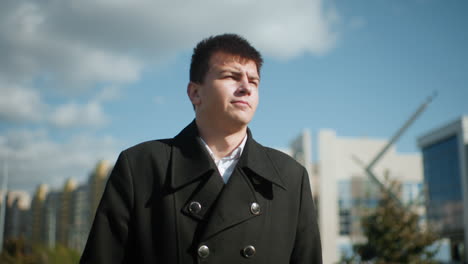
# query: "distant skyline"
[[81, 81]]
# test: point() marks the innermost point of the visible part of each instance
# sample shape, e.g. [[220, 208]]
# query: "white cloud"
[[83, 42], [78, 45], [32, 49], [295, 28], [102, 66], [108, 93], [20, 104], [75, 115], [34, 158], [25, 105]]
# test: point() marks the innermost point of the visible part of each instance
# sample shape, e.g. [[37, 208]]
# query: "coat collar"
[[190, 159]]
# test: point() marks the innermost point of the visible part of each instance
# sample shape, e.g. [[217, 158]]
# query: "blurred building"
[[38, 214], [65, 213], [51, 208], [17, 218], [59, 216], [342, 190], [445, 155], [301, 150], [97, 182], [81, 223]]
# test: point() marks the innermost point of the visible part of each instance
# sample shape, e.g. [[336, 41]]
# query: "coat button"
[[255, 208], [194, 207], [203, 251], [249, 251]]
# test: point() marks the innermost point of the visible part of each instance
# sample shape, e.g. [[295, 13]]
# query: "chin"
[[242, 121], [237, 120]]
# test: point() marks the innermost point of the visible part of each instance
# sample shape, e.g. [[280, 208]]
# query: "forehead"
[[220, 59]]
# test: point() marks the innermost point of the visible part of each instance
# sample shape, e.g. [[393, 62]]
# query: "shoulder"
[[281, 168], [153, 149], [279, 157], [146, 163], [284, 164]]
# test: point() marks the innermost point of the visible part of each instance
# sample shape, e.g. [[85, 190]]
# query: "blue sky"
[[80, 82]]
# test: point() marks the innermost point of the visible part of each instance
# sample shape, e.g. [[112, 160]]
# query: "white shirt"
[[227, 164]]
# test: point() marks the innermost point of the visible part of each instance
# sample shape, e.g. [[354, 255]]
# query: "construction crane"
[[368, 169]]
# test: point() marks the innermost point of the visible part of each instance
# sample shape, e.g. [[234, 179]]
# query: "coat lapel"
[[253, 172], [189, 160], [222, 205], [206, 194], [233, 205], [192, 164], [255, 159]]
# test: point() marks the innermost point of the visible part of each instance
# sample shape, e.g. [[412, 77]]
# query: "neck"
[[221, 141]]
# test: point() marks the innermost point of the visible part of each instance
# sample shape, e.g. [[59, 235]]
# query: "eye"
[[229, 76], [254, 82]]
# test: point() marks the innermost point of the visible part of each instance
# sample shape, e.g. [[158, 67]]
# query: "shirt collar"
[[235, 154]]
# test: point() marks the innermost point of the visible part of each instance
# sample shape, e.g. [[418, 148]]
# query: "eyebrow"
[[237, 71]]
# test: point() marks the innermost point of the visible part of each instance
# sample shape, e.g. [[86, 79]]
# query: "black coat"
[[165, 202]]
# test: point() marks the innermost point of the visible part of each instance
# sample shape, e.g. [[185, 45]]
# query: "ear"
[[193, 92]]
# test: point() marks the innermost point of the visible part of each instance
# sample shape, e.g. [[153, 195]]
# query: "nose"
[[244, 87]]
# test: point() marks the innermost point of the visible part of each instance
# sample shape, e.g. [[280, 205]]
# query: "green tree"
[[393, 233], [57, 255], [17, 251]]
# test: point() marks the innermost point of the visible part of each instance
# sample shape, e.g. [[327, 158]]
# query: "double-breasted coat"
[[165, 202]]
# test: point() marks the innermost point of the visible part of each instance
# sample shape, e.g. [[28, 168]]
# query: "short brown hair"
[[228, 43]]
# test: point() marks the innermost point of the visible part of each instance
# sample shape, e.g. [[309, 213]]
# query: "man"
[[212, 194]]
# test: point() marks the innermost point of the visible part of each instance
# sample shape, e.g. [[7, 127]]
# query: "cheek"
[[256, 105], [256, 100]]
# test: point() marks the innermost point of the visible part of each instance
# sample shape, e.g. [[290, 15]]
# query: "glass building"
[[355, 197], [445, 164]]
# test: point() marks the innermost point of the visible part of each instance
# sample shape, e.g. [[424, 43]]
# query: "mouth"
[[240, 103]]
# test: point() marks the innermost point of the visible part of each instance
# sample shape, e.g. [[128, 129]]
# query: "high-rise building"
[[17, 215], [97, 182], [445, 156], [80, 225], [37, 214], [57, 217], [65, 213], [51, 208]]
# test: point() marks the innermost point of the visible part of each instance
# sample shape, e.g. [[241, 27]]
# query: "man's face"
[[229, 92]]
